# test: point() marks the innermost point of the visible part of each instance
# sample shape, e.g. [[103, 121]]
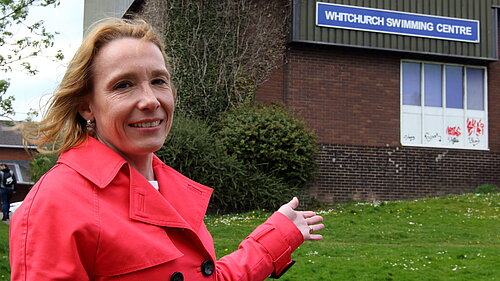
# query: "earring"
[[90, 124]]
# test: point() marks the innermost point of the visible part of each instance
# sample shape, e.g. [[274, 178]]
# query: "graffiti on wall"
[[474, 141], [475, 127], [444, 130], [430, 137], [409, 137], [454, 131]]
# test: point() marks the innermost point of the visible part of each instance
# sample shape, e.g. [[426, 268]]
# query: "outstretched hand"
[[306, 221]]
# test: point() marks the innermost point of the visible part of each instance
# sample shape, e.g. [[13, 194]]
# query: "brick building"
[[403, 95], [17, 157], [398, 113]]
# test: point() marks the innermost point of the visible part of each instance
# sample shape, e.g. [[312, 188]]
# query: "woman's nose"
[[148, 100]]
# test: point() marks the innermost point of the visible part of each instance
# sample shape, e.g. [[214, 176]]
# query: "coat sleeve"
[[52, 234], [266, 251]]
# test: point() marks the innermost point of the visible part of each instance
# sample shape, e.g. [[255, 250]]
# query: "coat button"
[[177, 276], [207, 268]]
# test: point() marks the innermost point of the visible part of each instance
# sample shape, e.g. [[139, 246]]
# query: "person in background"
[[8, 184], [110, 209]]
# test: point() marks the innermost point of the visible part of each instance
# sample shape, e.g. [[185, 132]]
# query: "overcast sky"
[[28, 90]]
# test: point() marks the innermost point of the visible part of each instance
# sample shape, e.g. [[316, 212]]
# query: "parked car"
[[14, 206]]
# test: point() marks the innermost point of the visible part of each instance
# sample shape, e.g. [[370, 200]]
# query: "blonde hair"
[[62, 127]]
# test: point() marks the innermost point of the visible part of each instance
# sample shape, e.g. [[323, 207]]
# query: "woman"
[[110, 209]]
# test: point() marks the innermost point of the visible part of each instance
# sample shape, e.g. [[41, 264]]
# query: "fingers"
[[294, 203], [316, 227], [314, 220], [307, 214], [312, 230], [289, 209], [307, 221], [315, 237]]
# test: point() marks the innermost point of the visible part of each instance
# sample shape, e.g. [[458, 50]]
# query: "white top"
[[154, 184]]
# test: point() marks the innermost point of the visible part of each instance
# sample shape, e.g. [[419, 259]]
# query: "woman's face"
[[132, 101]]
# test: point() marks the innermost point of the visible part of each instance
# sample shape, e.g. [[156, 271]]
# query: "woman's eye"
[[159, 82], [122, 85]]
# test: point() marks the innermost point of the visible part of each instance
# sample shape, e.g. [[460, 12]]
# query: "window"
[[411, 87], [443, 105], [475, 89], [433, 85], [454, 87]]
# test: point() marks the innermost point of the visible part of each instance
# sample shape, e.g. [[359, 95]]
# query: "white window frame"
[[440, 137]]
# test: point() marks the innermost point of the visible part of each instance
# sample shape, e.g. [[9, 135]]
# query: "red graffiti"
[[454, 131], [475, 127]]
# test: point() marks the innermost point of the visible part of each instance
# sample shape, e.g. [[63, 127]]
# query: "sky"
[[32, 91]]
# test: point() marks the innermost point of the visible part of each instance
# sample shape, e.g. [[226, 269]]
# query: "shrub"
[[486, 188], [271, 139], [193, 150], [41, 164], [219, 63]]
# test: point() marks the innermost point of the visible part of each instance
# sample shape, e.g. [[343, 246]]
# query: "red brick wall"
[[370, 173], [272, 90], [494, 103], [346, 96], [14, 154]]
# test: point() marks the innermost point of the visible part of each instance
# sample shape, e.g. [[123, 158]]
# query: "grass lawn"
[[447, 238], [4, 252]]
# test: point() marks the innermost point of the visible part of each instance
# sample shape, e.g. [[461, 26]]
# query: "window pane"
[[433, 85], [454, 87], [475, 88], [411, 83]]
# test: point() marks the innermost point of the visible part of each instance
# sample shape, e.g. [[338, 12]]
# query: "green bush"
[[41, 164], [193, 150], [486, 189], [271, 139]]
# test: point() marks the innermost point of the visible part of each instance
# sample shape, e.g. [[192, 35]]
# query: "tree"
[[221, 50], [15, 51]]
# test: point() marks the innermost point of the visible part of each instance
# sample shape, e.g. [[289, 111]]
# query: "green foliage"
[[6, 108], [4, 85], [16, 51], [31, 115], [204, 64], [222, 50], [41, 164], [486, 188], [4, 252], [271, 139], [196, 152]]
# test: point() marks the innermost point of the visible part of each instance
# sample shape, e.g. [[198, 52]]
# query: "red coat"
[[93, 217]]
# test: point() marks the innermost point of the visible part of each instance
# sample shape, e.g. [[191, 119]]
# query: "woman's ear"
[[85, 110]]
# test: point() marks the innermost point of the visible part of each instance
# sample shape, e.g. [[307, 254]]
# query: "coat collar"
[[94, 161], [181, 202]]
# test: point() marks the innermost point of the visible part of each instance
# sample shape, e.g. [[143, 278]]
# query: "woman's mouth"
[[146, 124]]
